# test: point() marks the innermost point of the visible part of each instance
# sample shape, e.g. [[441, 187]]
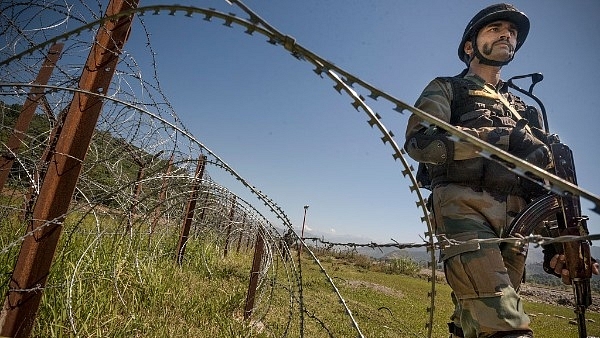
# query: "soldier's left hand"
[[559, 264]]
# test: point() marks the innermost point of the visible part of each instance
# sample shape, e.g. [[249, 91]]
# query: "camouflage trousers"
[[484, 277]]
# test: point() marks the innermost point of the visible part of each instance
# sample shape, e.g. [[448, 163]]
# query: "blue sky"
[[289, 133]]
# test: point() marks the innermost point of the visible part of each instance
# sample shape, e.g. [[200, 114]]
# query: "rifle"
[[561, 216], [571, 223]]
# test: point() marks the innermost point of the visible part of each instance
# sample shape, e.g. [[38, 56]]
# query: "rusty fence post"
[[256, 263], [229, 226], [137, 190], [37, 251], [248, 242], [239, 242], [27, 111], [190, 209], [204, 200], [161, 197]]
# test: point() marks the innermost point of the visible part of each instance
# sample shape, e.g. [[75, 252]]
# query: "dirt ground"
[[554, 296]]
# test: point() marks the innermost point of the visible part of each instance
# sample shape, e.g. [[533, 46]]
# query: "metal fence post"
[[137, 189], [229, 226], [239, 242], [37, 251], [190, 209], [161, 196], [27, 111], [256, 263]]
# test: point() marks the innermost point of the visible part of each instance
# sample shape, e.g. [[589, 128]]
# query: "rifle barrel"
[[583, 298]]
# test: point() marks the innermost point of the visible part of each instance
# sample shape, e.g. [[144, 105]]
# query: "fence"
[[144, 175]]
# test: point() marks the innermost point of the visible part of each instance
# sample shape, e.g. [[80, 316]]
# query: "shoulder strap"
[[489, 90]]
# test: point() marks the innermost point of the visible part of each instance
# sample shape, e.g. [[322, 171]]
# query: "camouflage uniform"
[[473, 198]]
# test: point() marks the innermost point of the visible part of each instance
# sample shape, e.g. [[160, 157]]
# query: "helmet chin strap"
[[486, 61]]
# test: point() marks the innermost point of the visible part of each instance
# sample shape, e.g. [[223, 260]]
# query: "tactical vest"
[[472, 107]]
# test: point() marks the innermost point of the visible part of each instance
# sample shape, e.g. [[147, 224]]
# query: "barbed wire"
[[536, 240]]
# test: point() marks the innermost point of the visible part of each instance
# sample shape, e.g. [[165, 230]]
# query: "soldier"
[[473, 197], [286, 244]]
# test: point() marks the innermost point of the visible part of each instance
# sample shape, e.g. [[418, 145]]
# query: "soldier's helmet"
[[493, 13]]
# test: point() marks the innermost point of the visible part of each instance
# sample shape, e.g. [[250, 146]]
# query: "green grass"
[[115, 285], [408, 304], [130, 293]]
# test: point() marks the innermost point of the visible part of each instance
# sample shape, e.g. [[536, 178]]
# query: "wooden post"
[[37, 251]]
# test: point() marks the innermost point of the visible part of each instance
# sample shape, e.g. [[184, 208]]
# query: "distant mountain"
[[420, 254], [535, 257], [417, 254]]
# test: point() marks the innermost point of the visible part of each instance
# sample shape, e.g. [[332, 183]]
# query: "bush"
[[401, 266]]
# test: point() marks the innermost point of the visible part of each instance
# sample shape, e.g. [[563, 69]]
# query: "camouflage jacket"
[[467, 104]]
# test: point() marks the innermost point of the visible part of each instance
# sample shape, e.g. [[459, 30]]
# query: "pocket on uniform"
[[477, 118], [474, 270]]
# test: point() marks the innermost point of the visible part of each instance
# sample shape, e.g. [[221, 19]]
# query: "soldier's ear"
[[468, 48]]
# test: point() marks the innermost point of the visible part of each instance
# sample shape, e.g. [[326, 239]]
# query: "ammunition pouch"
[[477, 172]]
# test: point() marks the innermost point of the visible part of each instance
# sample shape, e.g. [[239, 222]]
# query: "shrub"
[[401, 266]]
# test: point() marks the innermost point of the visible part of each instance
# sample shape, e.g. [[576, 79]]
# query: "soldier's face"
[[497, 40]]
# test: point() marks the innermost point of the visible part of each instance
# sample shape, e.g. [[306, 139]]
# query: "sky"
[[289, 133]]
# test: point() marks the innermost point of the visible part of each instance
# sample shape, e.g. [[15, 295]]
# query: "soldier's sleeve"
[[436, 100]]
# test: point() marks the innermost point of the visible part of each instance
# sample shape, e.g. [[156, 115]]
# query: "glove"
[[523, 144], [549, 252]]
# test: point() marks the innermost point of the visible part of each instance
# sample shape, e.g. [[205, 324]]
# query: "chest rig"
[[475, 107], [472, 106]]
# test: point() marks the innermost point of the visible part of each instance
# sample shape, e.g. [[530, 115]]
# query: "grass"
[[115, 285], [132, 294], [408, 304]]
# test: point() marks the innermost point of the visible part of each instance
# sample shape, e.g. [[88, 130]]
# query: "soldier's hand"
[[523, 144], [559, 264], [540, 157]]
